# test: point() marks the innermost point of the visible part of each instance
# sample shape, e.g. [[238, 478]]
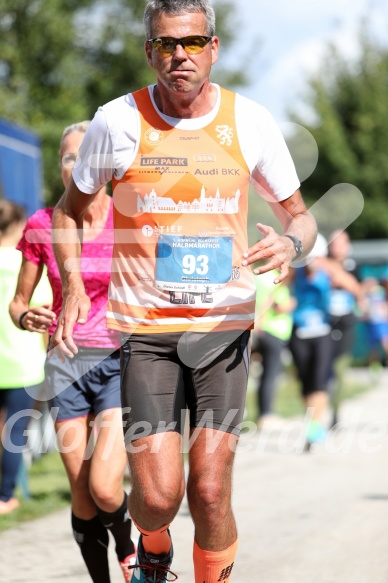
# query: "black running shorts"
[[163, 374]]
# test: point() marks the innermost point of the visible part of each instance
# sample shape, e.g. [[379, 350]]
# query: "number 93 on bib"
[[193, 264]]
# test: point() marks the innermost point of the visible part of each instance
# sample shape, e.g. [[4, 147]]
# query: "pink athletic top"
[[36, 247]]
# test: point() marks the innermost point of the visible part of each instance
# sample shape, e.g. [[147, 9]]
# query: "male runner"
[[181, 154]]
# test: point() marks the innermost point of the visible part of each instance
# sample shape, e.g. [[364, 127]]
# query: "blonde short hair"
[[80, 126]]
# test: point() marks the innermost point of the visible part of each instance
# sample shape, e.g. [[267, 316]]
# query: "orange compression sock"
[[156, 542], [214, 567]]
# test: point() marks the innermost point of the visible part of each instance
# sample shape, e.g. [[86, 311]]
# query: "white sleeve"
[[265, 151], [109, 145], [94, 166]]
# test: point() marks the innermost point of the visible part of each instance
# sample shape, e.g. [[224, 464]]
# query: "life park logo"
[[163, 161], [164, 164]]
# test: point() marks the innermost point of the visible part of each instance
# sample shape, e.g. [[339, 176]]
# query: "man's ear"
[[215, 46], [148, 52]]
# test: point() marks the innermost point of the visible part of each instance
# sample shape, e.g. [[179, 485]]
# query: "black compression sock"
[[93, 539], [119, 523]]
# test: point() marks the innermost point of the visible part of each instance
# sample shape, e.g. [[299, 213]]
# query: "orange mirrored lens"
[[193, 45]]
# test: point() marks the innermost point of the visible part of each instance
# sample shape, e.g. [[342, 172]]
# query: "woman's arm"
[[34, 318], [340, 277]]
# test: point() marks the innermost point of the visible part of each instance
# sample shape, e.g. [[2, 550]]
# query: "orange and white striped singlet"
[[181, 229]]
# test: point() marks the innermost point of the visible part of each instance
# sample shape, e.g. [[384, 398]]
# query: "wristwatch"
[[297, 244]]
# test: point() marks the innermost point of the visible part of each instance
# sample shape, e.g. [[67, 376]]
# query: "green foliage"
[[350, 103], [61, 59]]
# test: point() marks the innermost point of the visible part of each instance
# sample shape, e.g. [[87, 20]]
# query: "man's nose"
[[180, 53]]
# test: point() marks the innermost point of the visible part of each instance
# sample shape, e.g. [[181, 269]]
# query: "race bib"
[[194, 264]]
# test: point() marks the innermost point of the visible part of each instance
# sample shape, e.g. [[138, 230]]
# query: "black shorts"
[[312, 359], [163, 374], [342, 334]]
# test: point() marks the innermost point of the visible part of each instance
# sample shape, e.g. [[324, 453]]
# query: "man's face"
[[181, 72]]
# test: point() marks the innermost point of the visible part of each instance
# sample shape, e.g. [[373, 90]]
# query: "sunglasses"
[[193, 45]]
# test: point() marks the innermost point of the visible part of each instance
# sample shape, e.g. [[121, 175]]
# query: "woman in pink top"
[[83, 392]]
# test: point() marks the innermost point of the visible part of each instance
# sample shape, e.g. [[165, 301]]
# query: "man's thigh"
[[152, 390], [216, 392], [158, 383]]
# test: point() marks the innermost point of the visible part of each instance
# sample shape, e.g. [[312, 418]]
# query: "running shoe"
[[316, 434], [152, 568], [126, 566]]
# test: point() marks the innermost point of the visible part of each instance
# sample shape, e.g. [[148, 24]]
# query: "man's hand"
[[75, 309], [278, 250]]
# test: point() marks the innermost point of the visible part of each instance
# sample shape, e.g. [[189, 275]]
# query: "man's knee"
[[160, 498], [208, 494], [163, 505]]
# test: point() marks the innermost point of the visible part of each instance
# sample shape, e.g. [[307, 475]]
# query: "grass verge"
[[49, 491]]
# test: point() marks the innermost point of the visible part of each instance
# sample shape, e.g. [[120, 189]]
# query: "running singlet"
[[36, 247], [312, 294], [180, 229], [180, 195]]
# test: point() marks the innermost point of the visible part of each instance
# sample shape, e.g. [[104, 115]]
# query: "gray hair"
[[175, 7], [81, 126]]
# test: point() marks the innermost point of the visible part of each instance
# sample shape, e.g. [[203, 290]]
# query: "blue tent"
[[20, 166]]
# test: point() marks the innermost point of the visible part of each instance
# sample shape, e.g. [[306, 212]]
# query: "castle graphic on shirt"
[[152, 203]]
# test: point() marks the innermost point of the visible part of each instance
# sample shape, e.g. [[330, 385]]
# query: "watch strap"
[[297, 245]]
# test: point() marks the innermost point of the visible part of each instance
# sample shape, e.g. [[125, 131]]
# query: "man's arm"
[[278, 250], [67, 240]]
